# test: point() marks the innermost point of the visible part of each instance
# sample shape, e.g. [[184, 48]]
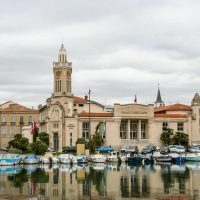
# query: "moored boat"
[[194, 157], [134, 158], [82, 159], [49, 159], [98, 158], [177, 158], [31, 159], [67, 159], [113, 157], [164, 158], [9, 159]]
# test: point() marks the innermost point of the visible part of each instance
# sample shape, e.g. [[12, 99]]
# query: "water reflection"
[[89, 181]]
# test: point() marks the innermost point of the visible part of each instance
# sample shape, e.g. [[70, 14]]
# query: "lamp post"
[[89, 112]]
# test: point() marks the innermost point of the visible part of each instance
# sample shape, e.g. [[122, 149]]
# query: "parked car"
[[49, 149], [180, 149], [69, 149], [4, 149], [164, 150], [131, 149], [149, 149], [105, 149]]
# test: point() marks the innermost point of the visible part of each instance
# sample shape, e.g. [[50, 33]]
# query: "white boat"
[[82, 159], [49, 159], [177, 158], [114, 157], [9, 159], [67, 159], [98, 158], [195, 157], [164, 158], [31, 159]]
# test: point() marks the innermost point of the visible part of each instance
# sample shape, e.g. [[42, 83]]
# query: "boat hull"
[[10, 159]]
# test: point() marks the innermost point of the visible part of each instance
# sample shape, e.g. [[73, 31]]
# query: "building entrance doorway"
[[55, 141]]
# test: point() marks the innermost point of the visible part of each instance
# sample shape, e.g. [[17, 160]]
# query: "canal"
[[100, 182]]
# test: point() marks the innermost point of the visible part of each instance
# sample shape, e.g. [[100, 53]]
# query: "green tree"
[[23, 143], [166, 136], [19, 142], [181, 139], [94, 142], [39, 147], [44, 137]]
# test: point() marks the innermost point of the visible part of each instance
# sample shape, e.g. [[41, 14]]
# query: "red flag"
[[135, 100], [33, 127]]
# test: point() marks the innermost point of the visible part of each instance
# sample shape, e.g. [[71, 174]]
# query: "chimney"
[[86, 97]]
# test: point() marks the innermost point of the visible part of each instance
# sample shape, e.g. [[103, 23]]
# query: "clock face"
[[58, 73]]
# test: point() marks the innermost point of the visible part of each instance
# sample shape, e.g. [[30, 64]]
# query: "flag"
[[135, 100], [33, 127]]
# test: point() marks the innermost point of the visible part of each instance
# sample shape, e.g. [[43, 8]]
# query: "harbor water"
[[98, 181]]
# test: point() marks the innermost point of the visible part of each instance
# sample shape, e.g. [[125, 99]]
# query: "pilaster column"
[[139, 130], [128, 130]]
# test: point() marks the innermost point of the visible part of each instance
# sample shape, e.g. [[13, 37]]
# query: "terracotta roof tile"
[[173, 107], [170, 115], [18, 108], [79, 99], [107, 114]]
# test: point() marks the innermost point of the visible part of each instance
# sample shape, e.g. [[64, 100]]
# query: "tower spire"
[[159, 103]]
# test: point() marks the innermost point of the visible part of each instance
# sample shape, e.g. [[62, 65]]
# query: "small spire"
[[159, 99], [159, 102]]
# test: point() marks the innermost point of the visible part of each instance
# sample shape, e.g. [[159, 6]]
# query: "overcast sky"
[[117, 48]]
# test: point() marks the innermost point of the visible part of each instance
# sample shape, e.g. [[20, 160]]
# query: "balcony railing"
[[21, 123], [12, 123], [3, 123]]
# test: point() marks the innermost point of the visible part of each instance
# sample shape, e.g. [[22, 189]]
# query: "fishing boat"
[[31, 159], [98, 158], [82, 159], [10, 159]]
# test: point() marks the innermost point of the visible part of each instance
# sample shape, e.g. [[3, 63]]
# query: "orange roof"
[[78, 99], [18, 108], [173, 107], [170, 115], [107, 114]]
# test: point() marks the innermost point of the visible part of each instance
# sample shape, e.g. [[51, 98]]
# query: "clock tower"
[[62, 75]]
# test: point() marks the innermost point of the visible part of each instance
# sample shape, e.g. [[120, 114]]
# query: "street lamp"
[[89, 112]]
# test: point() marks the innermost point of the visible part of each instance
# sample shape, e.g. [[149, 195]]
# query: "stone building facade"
[[14, 117], [66, 117]]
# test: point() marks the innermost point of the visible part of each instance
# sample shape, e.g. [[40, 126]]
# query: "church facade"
[[66, 117]]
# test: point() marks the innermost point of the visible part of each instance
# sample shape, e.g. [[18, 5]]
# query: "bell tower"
[[62, 74]]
